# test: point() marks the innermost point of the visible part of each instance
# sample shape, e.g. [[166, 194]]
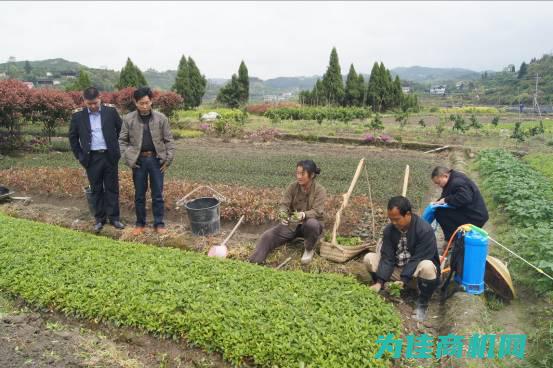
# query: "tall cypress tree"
[[131, 76], [244, 81], [354, 89], [332, 80], [230, 94], [373, 88], [362, 90], [182, 85], [198, 84], [397, 92]]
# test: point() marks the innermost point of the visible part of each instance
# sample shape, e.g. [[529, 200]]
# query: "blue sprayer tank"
[[474, 267]]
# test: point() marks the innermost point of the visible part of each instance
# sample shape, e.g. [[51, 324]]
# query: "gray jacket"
[[130, 138]]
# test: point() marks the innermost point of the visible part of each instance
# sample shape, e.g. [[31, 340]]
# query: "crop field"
[[247, 312]]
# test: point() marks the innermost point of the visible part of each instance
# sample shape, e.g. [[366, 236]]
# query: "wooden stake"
[[405, 181], [345, 203]]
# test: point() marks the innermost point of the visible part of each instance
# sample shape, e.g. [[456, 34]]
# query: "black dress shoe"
[[117, 224], [98, 227]]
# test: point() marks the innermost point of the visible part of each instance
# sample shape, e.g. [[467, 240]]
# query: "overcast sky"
[[278, 38]]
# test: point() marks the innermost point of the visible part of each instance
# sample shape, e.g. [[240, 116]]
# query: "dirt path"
[[40, 338]]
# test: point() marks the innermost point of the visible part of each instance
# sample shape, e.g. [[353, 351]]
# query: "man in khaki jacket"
[[148, 148]]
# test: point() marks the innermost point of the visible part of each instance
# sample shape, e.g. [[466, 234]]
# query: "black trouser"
[[103, 177], [278, 235], [450, 219]]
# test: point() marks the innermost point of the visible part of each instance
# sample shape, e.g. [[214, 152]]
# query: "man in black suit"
[[94, 135]]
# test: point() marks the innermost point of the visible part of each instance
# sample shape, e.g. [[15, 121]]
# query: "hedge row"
[[246, 312]]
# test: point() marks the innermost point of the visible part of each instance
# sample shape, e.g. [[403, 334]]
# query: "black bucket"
[[204, 215], [89, 199]]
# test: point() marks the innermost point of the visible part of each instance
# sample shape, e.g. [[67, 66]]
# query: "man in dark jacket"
[[462, 195], [93, 135], [408, 251]]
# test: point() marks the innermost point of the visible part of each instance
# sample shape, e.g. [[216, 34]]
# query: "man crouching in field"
[[408, 251]]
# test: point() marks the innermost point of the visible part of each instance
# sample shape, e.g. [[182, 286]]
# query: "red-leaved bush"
[[14, 103], [167, 101], [51, 107]]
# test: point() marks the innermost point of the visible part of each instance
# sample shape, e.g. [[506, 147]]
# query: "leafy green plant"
[[394, 289], [246, 312], [526, 198], [319, 114], [376, 123], [346, 241], [474, 123], [459, 123], [518, 133]]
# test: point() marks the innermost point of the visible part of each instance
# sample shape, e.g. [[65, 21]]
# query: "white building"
[[437, 90]]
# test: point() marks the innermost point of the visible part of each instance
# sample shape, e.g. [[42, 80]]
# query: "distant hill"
[[486, 87], [421, 74], [511, 88]]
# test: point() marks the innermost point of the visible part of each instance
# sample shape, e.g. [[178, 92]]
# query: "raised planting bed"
[[248, 313]]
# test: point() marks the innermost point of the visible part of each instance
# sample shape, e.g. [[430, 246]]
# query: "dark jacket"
[[464, 195], [421, 243], [80, 134]]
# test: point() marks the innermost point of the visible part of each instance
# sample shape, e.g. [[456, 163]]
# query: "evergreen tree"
[[522, 70], [244, 81], [28, 68], [397, 92], [230, 94], [131, 76], [332, 80], [198, 84], [374, 97], [362, 90], [354, 88], [81, 83], [182, 81]]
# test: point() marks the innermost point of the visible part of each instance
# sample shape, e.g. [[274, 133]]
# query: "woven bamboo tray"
[[339, 254]]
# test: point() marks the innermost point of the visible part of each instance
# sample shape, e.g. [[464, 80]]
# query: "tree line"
[[381, 92]]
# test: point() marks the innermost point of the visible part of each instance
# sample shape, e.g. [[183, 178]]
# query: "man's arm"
[[74, 137], [169, 141], [461, 196], [124, 136], [118, 122], [387, 257]]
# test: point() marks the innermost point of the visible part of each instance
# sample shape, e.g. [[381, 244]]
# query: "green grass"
[[244, 311]]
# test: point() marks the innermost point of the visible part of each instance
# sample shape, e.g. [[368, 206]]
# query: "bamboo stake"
[[370, 200], [405, 181], [345, 203]]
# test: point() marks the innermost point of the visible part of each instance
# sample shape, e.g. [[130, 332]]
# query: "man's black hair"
[[142, 92], [91, 93], [401, 203]]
